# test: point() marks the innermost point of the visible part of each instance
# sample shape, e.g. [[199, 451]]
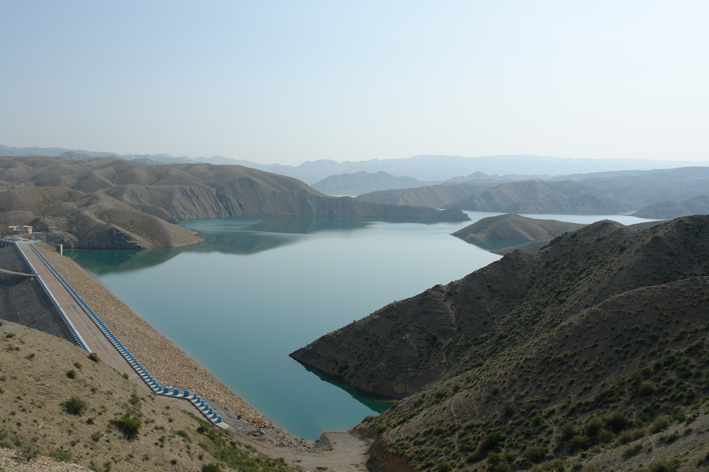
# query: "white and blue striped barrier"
[[142, 372]]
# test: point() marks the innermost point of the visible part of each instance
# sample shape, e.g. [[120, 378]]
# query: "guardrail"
[[154, 385]]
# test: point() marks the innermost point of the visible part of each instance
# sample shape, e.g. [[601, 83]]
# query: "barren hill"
[[363, 182], [103, 202], [605, 321]]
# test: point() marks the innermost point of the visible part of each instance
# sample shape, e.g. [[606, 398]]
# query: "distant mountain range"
[[426, 168], [663, 192]]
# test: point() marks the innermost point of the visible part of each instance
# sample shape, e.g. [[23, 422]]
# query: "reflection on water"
[[239, 242], [104, 261], [374, 402], [291, 225], [494, 244]]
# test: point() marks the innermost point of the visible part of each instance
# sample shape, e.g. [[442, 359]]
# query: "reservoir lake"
[[256, 289]]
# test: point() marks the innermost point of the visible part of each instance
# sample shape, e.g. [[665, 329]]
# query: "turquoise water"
[[257, 289]]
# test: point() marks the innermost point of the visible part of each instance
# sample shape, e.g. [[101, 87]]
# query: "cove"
[[257, 289]]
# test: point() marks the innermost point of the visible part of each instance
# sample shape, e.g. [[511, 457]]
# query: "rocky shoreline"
[[166, 362]]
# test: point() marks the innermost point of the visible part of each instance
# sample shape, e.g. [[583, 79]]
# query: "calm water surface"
[[257, 289]]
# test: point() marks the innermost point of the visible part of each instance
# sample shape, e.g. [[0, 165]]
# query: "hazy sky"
[[276, 81]]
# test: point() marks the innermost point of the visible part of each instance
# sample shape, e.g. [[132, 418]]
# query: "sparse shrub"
[[663, 465], [631, 435], [605, 436], [661, 423], [568, 431], [491, 442], [556, 465], [444, 466], [534, 454], [71, 374], [128, 426], [74, 406], [647, 388], [617, 423], [509, 409], [28, 452], [593, 426], [633, 450], [94, 357], [212, 467], [96, 436], [581, 442], [589, 468], [64, 456], [77, 365]]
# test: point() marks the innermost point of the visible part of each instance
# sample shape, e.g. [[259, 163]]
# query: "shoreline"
[[165, 360]]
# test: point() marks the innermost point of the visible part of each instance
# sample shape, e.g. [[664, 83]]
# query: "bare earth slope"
[[603, 321]]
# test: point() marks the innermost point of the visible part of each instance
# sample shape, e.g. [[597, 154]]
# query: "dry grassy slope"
[[641, 354], [34, 383], [512, 227]]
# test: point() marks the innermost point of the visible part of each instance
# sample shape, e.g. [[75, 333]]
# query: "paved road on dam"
[[92, 337]]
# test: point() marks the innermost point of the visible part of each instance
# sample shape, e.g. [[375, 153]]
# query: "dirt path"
[[338, 452]]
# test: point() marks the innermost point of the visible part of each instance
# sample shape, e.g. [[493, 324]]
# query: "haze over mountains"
[[425, 168], [600, 194]]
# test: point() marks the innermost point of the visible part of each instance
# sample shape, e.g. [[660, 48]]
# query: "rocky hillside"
[[56, 401], [568, 354], [101, 202], [363, 182]]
